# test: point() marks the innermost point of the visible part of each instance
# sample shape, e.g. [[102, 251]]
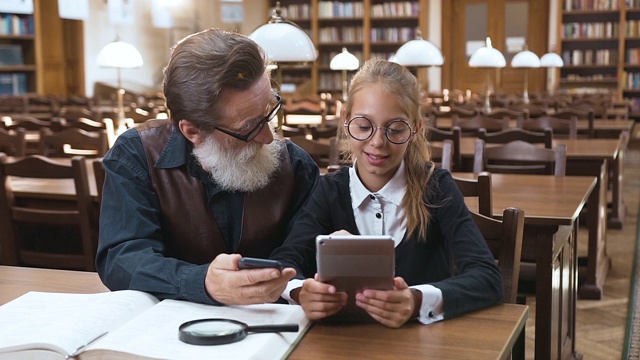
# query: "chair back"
[[470, 126], [319, 151], [71, 142], [479, 187], [442, 155], [289, 131], [504, 239], [99, 175], [45, 234], [587, 115], [454, 135], [324, 132], [26, 122], [566, 128], [12, 142], [512, 134], [509, 114], [520, 157]]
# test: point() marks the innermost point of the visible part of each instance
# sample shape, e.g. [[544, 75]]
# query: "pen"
[[82, 347]]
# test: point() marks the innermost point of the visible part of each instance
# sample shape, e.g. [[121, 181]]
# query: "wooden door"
[[511, 25]]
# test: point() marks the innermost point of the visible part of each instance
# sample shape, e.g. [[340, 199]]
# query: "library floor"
[[601, 324]]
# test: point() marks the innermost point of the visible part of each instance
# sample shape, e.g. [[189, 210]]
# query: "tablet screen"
[[353, 263]]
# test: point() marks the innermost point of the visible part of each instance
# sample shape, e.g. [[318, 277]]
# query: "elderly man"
[[184, 199]]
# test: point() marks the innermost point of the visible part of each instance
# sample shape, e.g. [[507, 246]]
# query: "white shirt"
[[379, 213]]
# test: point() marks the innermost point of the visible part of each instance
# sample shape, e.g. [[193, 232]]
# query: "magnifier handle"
[[273, 328]]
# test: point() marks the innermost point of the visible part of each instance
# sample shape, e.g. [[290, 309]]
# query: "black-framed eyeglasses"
[[397, 132], [255, 130]]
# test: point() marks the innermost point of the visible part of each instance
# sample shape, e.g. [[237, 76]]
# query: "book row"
[[397, 9], [333, 9], [590, 30], [590, 4], [11, 24], [590, 57]]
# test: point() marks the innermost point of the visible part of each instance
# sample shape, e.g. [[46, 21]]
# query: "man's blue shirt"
[[131, 251]]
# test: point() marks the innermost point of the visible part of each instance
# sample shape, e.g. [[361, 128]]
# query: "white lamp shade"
[[284, 42], [551, 60], [344, 61], [419, 52], [487, 56], [525, 59], [119, 54]]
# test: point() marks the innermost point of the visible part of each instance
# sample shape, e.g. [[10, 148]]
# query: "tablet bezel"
[[343, 261]]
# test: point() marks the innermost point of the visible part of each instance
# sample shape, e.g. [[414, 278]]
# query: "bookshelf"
[[17, 54], [366, 28], [600, 45]]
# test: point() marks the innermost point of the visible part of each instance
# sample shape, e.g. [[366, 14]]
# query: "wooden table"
[[551, 207], [603, 129], [590, 157], [485, 334]]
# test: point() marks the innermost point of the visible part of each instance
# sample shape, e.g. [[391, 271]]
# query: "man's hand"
[[230, 286]]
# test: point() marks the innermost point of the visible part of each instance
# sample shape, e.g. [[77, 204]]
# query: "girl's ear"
[[418, 129]]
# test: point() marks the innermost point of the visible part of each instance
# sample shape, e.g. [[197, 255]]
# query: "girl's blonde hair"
[[403, 86]]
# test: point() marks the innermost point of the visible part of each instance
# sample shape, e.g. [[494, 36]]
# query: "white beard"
[[244, 169]]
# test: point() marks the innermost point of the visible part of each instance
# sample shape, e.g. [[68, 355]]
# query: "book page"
[[154, 334], [65, 322]]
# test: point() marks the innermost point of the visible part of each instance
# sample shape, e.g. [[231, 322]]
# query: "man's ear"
[[190, 131]]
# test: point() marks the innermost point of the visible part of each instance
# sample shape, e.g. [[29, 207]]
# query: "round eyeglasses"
[[397, 132]]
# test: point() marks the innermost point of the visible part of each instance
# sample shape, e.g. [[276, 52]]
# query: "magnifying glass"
[[224, 331]]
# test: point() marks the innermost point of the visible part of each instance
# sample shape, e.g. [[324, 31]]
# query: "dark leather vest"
[[189, 229]]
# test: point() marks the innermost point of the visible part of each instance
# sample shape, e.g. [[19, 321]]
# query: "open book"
[[133, 325]]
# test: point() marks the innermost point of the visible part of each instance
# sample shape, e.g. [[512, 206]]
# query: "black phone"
[[255, 263]]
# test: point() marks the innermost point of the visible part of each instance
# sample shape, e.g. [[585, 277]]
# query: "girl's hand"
[[319, 300], [392, 308]]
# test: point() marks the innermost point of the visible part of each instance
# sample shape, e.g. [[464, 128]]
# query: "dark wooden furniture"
[[73, 141], [35, 232], [455, 134], [544, 137], [442, 154], [479, 187], [470, 126], [520, 157], [566, 128], [12, 142], [551, 205], [487, 334]]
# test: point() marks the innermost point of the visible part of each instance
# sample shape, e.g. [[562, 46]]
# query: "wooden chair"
[[588, 116], [71, 142], [324, 132], [480, 188], [319, 151], [513, 134], [443, 155], [99, 174], [504, 239], [26, 122], [454, 135], [47, 234], [336, 158], [565, 128], [520, 157], [509, 114], [290, 131], [12, 142], [470, 126]]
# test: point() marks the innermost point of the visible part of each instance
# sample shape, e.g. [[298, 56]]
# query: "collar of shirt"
[[379, 213], [393, 191]]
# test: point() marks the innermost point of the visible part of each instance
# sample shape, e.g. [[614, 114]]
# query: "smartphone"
[[255, 263]]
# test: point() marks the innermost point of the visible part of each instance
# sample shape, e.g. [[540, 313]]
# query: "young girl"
[[393, 188]]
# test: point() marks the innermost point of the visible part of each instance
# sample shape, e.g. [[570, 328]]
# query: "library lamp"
[[551, 60], [283, 42], [120, 55], [487, 57], [525, 59], [344, 61], [419, 53]]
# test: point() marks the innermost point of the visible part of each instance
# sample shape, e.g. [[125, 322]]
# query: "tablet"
[[353, 263]]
